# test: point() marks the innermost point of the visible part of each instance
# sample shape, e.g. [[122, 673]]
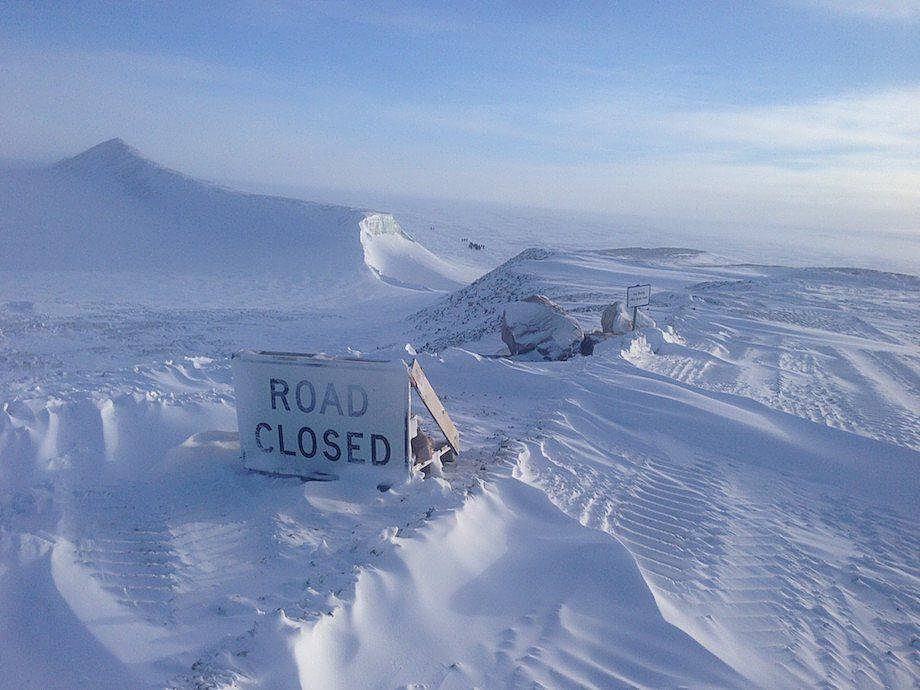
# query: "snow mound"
[[398, 259], [617, 318], [111, 209], [583, 282], [538, 324], [475, 310], [514, 581]]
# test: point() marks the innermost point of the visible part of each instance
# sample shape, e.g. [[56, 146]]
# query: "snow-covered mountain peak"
[[116, 146], [109, 154], [115, 164]]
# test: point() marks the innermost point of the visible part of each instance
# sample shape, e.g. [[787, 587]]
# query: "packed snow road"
[[734, 504]]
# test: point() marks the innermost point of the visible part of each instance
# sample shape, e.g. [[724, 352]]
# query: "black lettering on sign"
[[355, 389], [259, 427], [300, 436], [386, 446], [352, 447], [281, 443], [330, 398], [332, 444], [279, 389], [298, 396]]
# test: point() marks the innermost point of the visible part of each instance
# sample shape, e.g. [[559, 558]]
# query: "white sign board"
[[638, 296], [315, 416]]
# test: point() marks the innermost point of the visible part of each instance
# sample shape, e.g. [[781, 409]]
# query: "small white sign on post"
[[637, 296], [319, 417]]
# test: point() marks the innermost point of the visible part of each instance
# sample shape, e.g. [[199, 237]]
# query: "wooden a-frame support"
[[447, 451]]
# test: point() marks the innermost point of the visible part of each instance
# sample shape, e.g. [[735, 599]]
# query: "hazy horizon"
[[798, 113], [439, 222]]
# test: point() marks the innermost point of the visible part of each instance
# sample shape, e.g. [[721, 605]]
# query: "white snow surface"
[[398, 259], [727, 500], [111, 209]]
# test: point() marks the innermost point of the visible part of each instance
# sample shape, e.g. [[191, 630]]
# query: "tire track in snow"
[[836, 346], [865, 386], [793, 585], [126, 547]]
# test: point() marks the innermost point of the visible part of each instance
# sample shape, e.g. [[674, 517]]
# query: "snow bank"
[[151, 557], [618, 319], [400, 260], [111, 209], [508, 592]]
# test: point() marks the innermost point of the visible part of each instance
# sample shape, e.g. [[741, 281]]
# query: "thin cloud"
[[882, 122], [393, 16], [844, 162]]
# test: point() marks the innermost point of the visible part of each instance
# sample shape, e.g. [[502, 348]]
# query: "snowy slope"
[[767, 538], [110, 208], [398, 259], [732, 505], [837, 346]]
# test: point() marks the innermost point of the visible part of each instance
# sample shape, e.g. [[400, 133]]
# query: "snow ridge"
[[110, 208], [398, 259]]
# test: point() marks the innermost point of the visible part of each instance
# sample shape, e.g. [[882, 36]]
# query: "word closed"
[[308, 415]]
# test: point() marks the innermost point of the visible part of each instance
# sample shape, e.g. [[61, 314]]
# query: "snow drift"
[[111, 209], [597, 499], [398, 259]]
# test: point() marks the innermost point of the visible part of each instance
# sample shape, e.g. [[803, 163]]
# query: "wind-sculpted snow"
[[776, 543], [838, 346], [109, 208], [400, 260], [175, 561], [727, 501], [514, 585]]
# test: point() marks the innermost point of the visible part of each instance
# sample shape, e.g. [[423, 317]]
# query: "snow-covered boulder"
[[617, 319], [540, 324], [643, 320]]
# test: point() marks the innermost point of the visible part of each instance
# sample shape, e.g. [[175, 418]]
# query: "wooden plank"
[[430, 398]]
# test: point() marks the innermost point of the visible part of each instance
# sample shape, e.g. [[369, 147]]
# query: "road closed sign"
[[316, 416]]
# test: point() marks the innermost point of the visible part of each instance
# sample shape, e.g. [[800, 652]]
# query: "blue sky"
[[802, 111]]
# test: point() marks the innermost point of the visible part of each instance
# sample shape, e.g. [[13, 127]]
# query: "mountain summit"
[[107, 154], [114, 161], [107, 150]]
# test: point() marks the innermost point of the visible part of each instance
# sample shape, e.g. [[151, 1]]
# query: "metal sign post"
[[637, 296]]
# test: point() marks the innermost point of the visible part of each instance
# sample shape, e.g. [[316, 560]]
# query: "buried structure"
[[538, 325], [321, 417]]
